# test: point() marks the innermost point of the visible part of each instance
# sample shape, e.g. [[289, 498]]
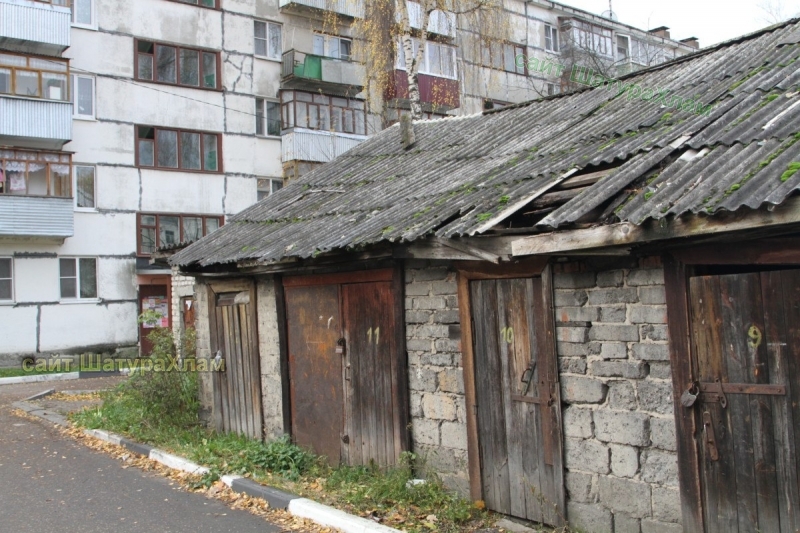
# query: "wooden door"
[[316, 378], [746, 341], [237, 388], [374, 428], [517, 394]]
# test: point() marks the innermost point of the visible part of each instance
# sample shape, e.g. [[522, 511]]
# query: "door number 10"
[[508, 334], [377, 335]]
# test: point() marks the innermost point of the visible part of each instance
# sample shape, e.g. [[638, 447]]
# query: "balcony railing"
[[348, 8], [439, 22], [308, 71], [316, 146], [40, 120], [436, 94], [35, 26], [33, 216]]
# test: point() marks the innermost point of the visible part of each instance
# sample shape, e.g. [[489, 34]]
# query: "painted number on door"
[[508, 334], [377, 334]]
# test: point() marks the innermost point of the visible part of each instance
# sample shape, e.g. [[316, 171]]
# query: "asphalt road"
[[50, 483]]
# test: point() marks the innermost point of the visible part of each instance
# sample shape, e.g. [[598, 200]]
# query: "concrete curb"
[[301, 507], [39, 378], [39, 395]]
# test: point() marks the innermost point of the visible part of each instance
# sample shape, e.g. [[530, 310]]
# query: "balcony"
[[347, 8], [439, 23], [35, 194], [316, 146], [436, 93], [48, 123], [312, 72], [36, 27]]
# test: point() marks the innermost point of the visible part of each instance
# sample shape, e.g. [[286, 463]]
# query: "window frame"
[[6, 301], [157, 227], [267, 24], [179, 168], [75, 186], [272, 188], [40, 76], [78, 298], [93, 7], [75, 93], [552, 32], [488, 59], [264, 119], [39, 157], [178, 48], [628, 58], [216, 4], [326, 46], [291, 105], [423, 68]]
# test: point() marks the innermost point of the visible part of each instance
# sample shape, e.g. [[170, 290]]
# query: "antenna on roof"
[[610, 15]]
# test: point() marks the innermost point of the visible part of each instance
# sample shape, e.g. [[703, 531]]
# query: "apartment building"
[[126, 127]]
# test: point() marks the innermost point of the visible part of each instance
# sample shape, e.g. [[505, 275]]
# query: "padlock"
[[689, 396], [340, 347]]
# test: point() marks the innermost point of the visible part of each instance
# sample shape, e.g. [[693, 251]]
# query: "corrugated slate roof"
[[465, 175]]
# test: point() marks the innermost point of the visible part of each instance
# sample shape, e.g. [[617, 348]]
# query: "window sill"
[[179, 86], [7, 303], [265, 58], [84, 118], [271, 137], [77, 301], [91, 27], [86, 210]]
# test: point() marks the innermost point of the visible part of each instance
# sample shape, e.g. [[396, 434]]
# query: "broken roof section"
[[487, 173]]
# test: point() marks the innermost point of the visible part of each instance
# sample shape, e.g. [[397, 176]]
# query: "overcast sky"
[[712, 21]]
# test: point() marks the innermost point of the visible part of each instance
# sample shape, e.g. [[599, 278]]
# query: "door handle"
[[527, 376]]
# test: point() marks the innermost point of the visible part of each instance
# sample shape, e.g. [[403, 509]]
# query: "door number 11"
[[377, 335]]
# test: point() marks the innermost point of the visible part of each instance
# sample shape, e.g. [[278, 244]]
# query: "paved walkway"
[[49, 483]]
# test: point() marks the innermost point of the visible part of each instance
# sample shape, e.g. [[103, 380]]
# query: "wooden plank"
[[235, 320], [517, 269], [280, 303], [361, 276], [468, 362], [399, 366], [533, 458], [628, 233], [787, 414], [255, 362], [231, 422], [223, 376], [584, 179], [242, 319], [211, 311], [675, 277], [354, 406], [469, 249]]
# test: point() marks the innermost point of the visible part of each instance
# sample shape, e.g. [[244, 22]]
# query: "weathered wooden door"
[[234, 341], [316, 385], [519, 428], [346, 367], [746, 340]]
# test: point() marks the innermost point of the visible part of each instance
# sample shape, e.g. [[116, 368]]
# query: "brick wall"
[[436, 379], [622, 472]]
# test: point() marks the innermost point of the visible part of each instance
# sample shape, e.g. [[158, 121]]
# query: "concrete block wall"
[[182, 287], [270, 362], [202, 328], [619, 430], [435, 374]]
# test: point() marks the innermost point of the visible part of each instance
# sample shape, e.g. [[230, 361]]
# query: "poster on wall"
[[159, 305]]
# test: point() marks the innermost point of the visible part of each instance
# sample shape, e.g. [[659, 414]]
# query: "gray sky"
[[712, 21]]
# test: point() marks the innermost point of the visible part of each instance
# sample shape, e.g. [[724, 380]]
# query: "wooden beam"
[[627, 233], [462, 246]]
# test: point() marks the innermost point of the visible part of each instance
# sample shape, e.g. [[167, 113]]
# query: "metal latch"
[[711, 440]]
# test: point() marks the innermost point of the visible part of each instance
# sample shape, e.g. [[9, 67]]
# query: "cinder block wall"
[[270, 352], [619, 431]]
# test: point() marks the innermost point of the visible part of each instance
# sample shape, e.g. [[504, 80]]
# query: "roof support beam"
[[627, 233]]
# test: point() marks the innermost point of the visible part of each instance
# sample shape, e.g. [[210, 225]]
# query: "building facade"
[[131, 126]]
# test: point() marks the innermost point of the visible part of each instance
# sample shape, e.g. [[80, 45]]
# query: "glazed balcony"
[[316, 146], [313, 72], [347, 8], [35, 26]]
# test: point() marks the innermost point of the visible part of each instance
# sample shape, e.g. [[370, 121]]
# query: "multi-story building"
[[131, 126]]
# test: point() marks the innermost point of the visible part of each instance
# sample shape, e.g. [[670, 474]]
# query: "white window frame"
[[12, 300], [268, 24], [75, 186], [423, 68], [551, 32], [552, 89], [328, 47], [265, 118], [93, 24], [272, 188], [74, 95], [77, 298], [626, 59]]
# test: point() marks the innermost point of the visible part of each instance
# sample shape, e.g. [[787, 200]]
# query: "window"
[[503, 56], [331, 46], [552, 89], [176, 65], [268, 117], [82, 96], [156, 231], [268, 186], [35, 173], [84, 186], [83, 12], [489, 104], [34, 77], [177, 149], [592, 38], [78, 277], [6, 279], [321, 112], [550, 38], [202, 3], [268, 40], [439, 59], [623, 48]]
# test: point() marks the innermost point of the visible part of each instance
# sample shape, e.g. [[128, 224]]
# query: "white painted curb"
[[104, 436], [228, 480], [328, 516], [178, 463], [39, 378]]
